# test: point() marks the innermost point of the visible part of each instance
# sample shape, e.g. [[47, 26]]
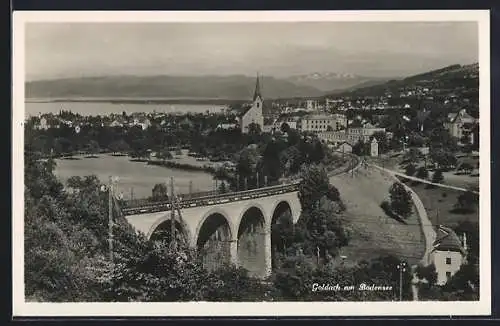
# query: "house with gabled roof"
[[461, 125], [448, 254]]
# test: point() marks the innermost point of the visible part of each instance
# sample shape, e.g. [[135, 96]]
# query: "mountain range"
[[235, 87], [328, 82]]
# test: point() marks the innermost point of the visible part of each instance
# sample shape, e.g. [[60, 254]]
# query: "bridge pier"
[[233, 249], [267, 253]]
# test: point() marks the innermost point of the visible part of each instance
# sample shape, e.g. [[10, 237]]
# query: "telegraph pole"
[[110, 218], [402, 268], [172, 212], [352, 167], [190, 189], [257, 179]]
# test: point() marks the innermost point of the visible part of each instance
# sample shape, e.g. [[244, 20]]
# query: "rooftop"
[[447, 240]]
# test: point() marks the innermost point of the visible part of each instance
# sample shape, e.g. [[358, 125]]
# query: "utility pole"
[[237, 182], [257, 179], [352, 167], [110, 218], [402, 268], [172, 212], [132, 193], [265, 180], [190, 189]]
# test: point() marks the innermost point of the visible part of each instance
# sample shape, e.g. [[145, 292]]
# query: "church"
[[253, 112]]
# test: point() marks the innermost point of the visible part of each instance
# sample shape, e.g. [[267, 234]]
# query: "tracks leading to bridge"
[[211, 198]]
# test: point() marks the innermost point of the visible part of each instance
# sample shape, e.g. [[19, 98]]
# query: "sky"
[[378, 49]]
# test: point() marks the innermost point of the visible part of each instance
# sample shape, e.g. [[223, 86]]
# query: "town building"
[[323, 122], [449, 253], [351, 135], [374, 147], [461, 125], [253, 113], [311, 105], [345, 147]]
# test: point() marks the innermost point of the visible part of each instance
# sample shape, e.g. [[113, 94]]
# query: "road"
[[397, 173], [427, 227]]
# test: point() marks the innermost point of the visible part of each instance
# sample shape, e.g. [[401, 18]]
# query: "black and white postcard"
[[251, 163]]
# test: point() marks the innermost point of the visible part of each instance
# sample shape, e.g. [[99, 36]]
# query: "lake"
[[33, 108], [138, 178]]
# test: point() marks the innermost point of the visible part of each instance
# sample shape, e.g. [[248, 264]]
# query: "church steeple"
[[257, 89]]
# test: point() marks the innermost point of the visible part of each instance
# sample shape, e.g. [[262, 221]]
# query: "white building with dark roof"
[[460, 125], [449, 253]]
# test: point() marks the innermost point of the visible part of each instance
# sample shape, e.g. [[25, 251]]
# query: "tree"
[[119, 146], [247, 162], [317, 152], [254, 129], [438, 177], [401, 201], [466, 167], [428, 273], [412, 155], [222, 188], [410, 169], [422, 173], [444, 159], [466, 202], [285, 127], [313, 186], [93, 147], [234, 283], [293, 137], [62, 146], [160, 192], [360, 148], [164, 155], [382, 140], [139, 148]]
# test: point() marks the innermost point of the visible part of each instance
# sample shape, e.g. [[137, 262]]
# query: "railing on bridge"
[[206, 198], [140, 206]]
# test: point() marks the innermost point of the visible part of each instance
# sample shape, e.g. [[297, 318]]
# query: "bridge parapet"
[[144, 206]]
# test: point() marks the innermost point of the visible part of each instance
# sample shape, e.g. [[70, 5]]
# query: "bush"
[[438, 177], [466, 202], [401, 202], [410, 169], [428, 273], [422, 173]]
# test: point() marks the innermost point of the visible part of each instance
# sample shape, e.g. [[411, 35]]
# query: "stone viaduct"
[[234, 227]]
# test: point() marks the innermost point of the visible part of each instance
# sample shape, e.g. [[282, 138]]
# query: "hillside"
[[328, 82], [225, 87], [459, 78]]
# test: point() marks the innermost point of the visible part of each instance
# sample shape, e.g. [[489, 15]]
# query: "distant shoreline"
[[140, 100]]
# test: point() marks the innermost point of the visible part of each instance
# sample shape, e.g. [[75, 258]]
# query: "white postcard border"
[[22, 308]]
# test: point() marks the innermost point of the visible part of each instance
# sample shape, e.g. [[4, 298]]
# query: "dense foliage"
[[401, 202]]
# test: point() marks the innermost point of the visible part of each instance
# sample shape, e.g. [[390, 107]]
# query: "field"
[[439, 204], [373, 233]]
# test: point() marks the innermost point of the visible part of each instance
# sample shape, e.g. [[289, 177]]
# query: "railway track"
[[216, 199]]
